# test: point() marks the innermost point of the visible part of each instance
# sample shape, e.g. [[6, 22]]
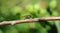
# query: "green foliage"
[[1, 31], [52, 4], [9, 29], [16, 10], [32, 10]]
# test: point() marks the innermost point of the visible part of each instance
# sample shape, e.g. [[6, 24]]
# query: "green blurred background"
[[26, 9]]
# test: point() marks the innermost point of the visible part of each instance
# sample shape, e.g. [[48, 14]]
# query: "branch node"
[[13, 22]]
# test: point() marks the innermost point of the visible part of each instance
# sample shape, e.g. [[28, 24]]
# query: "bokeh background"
[[26, 9]]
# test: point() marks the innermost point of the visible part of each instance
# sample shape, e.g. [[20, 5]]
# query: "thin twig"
[[28, 20]]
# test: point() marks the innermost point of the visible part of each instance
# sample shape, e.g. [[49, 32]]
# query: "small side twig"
[[28, 20]]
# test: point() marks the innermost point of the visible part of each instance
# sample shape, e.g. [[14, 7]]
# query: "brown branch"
[[28, 20]]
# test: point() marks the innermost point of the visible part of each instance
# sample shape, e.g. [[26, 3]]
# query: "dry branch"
[[28, 20]]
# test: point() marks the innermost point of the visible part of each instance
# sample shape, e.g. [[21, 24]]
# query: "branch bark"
[[28, 20]]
